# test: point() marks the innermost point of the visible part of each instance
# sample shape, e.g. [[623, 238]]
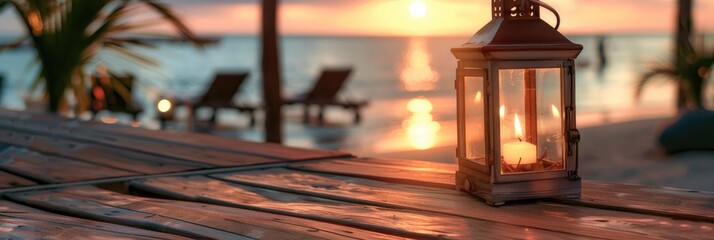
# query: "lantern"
[[516, 107]]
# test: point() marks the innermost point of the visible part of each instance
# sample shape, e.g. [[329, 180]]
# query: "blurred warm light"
[[502, 111], [417, 8], [36, 23], [422, 130], [477, 97], [136, 124], [417, 74], [556, 113], [419, 105], [109, 120], [164, 105]]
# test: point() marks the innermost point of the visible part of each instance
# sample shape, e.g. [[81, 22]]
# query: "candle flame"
[[556, 113], [502, 111], [517, 124], [477, 98]]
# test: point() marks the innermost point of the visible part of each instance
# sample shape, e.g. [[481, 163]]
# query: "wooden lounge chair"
[[324, 93], [220, 95], [114, 94]]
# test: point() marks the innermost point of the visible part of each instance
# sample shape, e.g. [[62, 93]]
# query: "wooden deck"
[[68, 179]]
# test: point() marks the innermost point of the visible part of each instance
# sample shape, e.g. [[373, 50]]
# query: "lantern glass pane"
[[549, 99], [474, 98], [530, 103]]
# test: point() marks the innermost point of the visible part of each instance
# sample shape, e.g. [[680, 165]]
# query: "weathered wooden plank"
[[401, 222], [390, 170], [663, 201], [186, 153], [668, 202], [218, 143], [192, 140], [185, 218], [20, 222], [9, 180], [551, 216], [100, 155], [50, 169]]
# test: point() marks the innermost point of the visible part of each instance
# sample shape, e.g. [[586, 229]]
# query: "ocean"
[[390, 72]]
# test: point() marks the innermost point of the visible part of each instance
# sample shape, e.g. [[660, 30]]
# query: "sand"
[[628, 152]]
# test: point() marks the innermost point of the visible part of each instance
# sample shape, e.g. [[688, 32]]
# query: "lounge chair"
[[113, 94], [220, 95], [324, 93]]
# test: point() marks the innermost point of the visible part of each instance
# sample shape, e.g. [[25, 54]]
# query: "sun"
[[417, 8]]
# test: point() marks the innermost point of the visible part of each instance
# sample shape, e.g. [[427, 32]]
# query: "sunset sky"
[[419, 17]]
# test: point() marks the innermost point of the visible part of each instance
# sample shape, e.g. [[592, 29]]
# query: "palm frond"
[[69, 34], [175, 21], [14, 43], [658, 72], [124, 51]]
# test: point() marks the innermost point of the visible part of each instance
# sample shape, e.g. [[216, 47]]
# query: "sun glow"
[[417, 8]]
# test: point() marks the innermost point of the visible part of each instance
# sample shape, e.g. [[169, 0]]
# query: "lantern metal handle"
[[551, 9], [574, 139], [573, 136]]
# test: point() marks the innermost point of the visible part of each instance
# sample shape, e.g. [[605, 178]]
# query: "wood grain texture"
[[191, 140], [188, 219], [662, 201], [9, 180], [180, 152], [100, 155], [218, 143], [401, 222], [48, 169], [390, 170], [550, 216], [20, 222]]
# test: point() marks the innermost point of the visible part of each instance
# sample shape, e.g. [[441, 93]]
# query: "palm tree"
[[690, 75], [271, 73], [68, 34], [690, 67]]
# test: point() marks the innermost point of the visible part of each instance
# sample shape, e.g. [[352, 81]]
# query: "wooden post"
[[684, 46], [271, 73]]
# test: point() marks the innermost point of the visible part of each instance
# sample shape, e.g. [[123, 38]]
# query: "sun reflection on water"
[[422, 130], [417, 73]]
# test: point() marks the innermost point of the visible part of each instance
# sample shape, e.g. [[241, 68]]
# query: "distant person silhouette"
[[602, 56]]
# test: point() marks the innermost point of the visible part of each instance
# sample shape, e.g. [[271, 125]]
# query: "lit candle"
[[520, 152]]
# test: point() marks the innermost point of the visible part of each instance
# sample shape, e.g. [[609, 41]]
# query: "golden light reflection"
[[477, 97], [422, 130], [416, 73], [556, 113], [502, 111], [419, 105]]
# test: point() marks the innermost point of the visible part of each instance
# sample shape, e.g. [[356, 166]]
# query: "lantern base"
[[498, 193]]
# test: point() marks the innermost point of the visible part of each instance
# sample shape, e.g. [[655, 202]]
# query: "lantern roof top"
[[517, 35]]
